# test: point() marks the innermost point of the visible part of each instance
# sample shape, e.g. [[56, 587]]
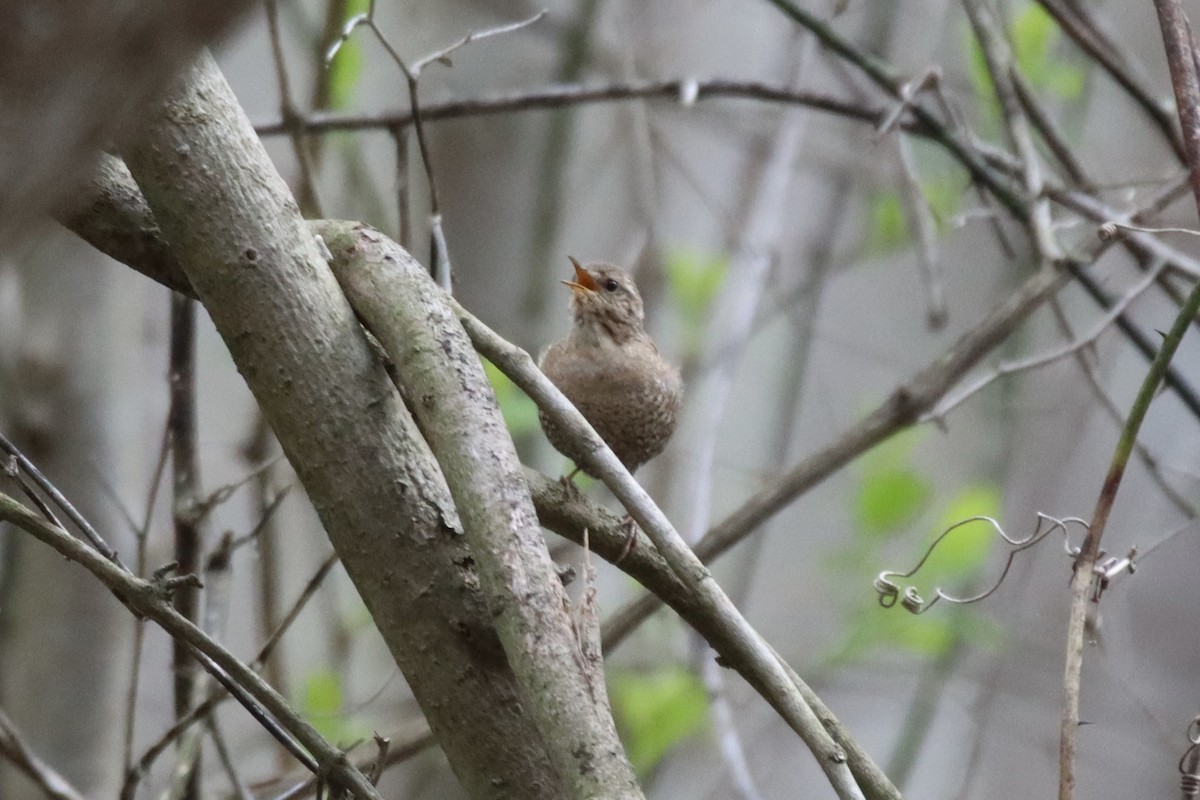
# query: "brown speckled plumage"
[[610, 368]]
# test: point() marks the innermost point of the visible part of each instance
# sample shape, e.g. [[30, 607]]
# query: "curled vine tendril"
[[890, 593]]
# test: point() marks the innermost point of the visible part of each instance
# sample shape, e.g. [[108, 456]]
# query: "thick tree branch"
[[374, 483], [444, 382], [158, 262]]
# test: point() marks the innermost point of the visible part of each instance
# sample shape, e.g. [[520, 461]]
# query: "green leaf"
[[321, 703], [961, 555], [943, 196], [346, 69], [889, 499], [520, 413], [693, 279], [1034, 36], [889, 227], [891, 493], [656, 710]]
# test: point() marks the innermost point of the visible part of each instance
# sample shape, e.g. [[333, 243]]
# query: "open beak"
[[584, 282]]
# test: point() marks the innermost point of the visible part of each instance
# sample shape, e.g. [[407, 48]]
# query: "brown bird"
[[610, 368]]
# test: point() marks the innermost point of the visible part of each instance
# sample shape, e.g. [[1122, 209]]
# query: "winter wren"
[[610, 368]]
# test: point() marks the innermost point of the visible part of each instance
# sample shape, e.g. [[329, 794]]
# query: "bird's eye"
[[611, 285]]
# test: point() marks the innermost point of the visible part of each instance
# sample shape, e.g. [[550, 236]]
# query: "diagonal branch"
[[377, 488], [146, 599], [1181, 53], [15, 749], [458, 414]]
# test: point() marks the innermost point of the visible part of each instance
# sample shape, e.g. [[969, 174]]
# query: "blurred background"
[[798, 264]]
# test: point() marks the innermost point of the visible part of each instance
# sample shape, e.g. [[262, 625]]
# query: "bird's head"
[[605, 302]]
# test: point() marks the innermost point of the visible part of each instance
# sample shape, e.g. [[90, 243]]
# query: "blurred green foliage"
[[890, 229], [321, 703], [656, 710], [346, 69], [693, 279], [1033, 36], [958, 559], [520, 413], [891, 492]]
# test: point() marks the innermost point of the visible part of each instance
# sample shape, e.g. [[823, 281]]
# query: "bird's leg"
[[568, 481], [631, 536]]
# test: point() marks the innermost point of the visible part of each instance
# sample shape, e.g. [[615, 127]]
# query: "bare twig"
[[951, 401], [14, 748], [439, 254], [886, 78], [382, 744], [1085, 358], [399, 750], [185, 511], [146, 598], [61, 501], [1092, 40], [920, 217], [443, 55], [223, 755], [567, 95], [1181, 58], [1001, 67], [307, 196], [772, 679], [139, 625]]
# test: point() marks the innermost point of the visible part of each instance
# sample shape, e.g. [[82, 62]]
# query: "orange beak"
[[584, 282]]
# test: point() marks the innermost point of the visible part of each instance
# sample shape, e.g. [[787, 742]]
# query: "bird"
[[611, 370]]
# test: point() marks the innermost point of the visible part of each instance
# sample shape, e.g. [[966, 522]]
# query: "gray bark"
[[239, 237], [453, 403]]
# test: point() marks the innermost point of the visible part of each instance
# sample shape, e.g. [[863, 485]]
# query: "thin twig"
[[1085, 358], [217, 696], [1180, 49], [61, 501], [307, 196], [883, 75], [920, 217], [399, 750], [142, 534], [146, 598], [439, 253], [223, 755], [1001, 66], [567, 95], [1104, 51], [14, 748], [443, 55], [952, 401]]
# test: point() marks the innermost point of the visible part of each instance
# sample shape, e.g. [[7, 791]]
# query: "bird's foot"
[[630, 529], [568, 482]]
